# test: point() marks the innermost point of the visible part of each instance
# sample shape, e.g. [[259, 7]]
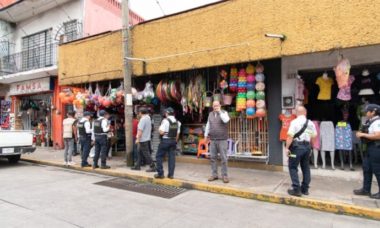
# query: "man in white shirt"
[[69, 135], [217, 131], [169, 129], [298, 148], [100, 131], [85, 131]]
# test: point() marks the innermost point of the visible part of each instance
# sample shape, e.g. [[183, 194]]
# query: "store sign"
[[32, 86]]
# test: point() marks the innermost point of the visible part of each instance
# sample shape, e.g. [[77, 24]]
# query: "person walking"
[[169, 129], [143, 138], [100, 131], [298, 148], [370, 134], [85, 132], [216, 133], [69, 135]]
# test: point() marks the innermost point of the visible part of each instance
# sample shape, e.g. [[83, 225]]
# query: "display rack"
[[191, 134], [4, 114]]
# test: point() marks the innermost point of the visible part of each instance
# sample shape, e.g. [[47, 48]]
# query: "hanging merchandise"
[[250, 69], [260, 95], [233, 79], [207, 99], [342, 72], [260, 77], [241, 100], [259, 68]]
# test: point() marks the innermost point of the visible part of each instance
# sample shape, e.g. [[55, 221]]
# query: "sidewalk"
[[332, 193]]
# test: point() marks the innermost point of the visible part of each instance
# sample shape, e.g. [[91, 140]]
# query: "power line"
[[159, 5]]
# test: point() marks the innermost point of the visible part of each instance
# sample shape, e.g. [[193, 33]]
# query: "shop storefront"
[[32, 102], [335, 106], [250, 92]]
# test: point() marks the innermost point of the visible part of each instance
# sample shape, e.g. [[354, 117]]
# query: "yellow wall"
[[93, 59], [310, 26]]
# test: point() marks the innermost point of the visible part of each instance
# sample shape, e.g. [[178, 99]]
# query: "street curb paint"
[[320, 205]]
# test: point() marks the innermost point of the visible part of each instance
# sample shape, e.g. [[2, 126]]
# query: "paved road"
[[42, 196]]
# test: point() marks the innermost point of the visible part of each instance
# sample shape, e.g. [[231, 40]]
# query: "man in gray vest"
[[217, 131]]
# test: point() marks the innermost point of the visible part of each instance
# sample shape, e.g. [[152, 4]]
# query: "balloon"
[[260, 112], [260, 95], [251, 103], [250, 111], [251, 95], [260, 77]]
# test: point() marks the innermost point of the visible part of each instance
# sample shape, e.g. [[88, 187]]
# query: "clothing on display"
[[327, 132], [300, 87], [285, 119], [344, 93], [325, 84], [366, 84], [316, 143], [343, 136]]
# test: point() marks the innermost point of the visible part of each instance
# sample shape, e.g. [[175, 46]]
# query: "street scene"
[[64, 198], [211, 113]]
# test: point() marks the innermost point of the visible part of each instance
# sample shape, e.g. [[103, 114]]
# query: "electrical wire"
[[159, 5]]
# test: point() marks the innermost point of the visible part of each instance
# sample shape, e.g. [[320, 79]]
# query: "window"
[[71, 30], [37, 50]]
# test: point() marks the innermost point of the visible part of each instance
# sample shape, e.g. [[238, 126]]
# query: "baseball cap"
[[169, 110], [86, 113], [372, 107], [102, 113]]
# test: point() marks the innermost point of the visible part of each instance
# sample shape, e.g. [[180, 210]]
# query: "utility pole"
[[127, 75]]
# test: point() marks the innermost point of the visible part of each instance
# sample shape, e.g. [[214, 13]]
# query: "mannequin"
[[343, 139], [325, 83], [285, 118], [316, 144], [327, 136], [366, 84], [300, 87]]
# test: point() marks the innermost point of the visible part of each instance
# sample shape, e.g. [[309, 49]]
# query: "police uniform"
[[371, 158], [85, 131], [100, 130], [300, 154], [171, 127]]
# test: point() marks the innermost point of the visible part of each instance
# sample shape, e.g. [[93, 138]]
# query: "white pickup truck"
[[13, 143]]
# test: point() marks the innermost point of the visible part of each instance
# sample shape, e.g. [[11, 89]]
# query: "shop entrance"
[[338, 115]]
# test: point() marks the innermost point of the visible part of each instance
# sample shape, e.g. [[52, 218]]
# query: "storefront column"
[[57, 117]]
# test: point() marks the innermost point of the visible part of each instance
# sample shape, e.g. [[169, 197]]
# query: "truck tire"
[[14, 159]]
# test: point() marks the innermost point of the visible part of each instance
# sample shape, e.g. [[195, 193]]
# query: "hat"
[[86, 113], [102, 113], [169, 110], [372, 107]]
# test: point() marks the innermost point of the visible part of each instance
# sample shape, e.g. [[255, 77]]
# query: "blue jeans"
[[100, 149], [302, 157], [169, 146], [85, 142]]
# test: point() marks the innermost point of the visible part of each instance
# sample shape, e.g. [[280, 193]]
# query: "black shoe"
[[361, 192], [294, 192], [151, 170], [306, 193], [135, 168], [105, 167], [159, 176], [95, 166], [375, 196], [86, 165], [170, 177]]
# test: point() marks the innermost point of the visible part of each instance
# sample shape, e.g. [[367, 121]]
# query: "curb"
[[320, 205]]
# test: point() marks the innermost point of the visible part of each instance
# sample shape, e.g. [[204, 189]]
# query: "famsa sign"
[[32, 86]]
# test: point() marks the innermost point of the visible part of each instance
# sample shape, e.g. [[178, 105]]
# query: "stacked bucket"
[[241, 98], [260, 94], [251, 95]]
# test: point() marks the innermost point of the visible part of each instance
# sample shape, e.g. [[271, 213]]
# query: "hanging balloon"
[[250, 69], [251, 103], [251, 94], [260, 104], [260, 112], [259, 68], [260, 95], [260, 86], [250, 111]]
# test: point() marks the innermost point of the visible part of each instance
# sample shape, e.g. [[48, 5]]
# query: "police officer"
[[301, 132], [100, 129], [169, 130], [370, 133], [85, 131]]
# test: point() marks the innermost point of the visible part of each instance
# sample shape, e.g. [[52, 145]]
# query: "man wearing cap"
[[217, 132], [85, 131], [100, 131], [143, 137], [169, 130], [370, 134]]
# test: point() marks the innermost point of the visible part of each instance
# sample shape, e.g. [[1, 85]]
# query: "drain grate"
[[145, 188]]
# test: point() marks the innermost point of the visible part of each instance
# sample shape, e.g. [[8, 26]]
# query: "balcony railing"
[[33, 58]]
